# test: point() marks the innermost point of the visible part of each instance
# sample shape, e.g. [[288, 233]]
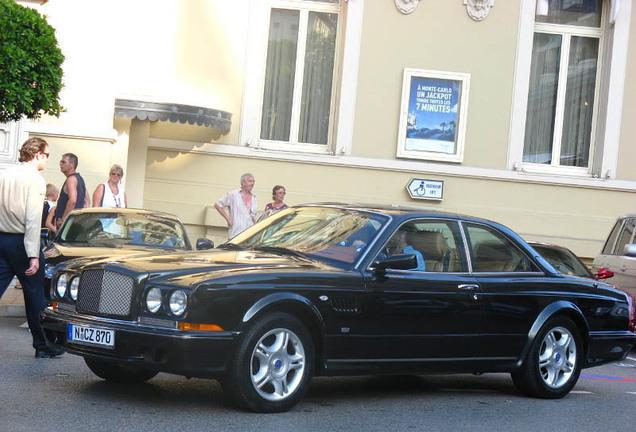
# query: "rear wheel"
[[553, 364], [119, 373], [273, 365]]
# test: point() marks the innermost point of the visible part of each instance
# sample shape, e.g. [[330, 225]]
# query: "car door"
[[434, 313], [512, 287], [613, 258]]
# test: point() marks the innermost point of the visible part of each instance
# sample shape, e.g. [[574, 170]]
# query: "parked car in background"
[[115, 232], [619, 254], [566, 262], [340, 290]]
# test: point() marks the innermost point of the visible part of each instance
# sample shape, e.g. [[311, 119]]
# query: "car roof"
[[125, 211], [403, 211]]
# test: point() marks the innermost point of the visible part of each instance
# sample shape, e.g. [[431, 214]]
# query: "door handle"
[[468, 287]]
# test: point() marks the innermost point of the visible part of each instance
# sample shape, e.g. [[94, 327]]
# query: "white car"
[[619, 254]]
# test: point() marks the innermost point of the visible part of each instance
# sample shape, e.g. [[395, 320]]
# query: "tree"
[[30, 64]]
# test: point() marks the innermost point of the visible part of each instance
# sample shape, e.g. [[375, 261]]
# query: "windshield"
[[116, 229], [337, 236]]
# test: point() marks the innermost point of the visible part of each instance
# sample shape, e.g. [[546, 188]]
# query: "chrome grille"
[[105, 292]]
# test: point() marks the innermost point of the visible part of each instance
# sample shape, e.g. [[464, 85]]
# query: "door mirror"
[[603, 273], [630, 250], [397, 262], [204, 244]]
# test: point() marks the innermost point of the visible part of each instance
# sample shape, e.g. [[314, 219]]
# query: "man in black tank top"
[[73, 193]]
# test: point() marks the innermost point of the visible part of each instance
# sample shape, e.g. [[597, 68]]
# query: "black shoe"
[[48, 352]]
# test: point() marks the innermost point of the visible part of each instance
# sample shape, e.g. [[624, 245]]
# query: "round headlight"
[[153, 299], [62, 284], [74, 287], [178, 302]]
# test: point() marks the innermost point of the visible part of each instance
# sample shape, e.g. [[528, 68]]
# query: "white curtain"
[[318, 79], [279, 75], [544, 77], [579, 102]]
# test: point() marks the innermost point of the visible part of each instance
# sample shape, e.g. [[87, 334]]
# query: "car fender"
[[283, 299], [560, 307]]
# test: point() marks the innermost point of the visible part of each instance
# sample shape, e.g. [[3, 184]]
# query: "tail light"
[[631, 304]]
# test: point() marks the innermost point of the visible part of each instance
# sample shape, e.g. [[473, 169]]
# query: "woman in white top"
[[111, 193]]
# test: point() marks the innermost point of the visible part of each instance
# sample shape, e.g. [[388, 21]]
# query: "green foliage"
[[30, 64]]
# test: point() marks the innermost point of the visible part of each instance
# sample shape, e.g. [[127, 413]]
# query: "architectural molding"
[[396, 165], [406, 6], [478, 9]]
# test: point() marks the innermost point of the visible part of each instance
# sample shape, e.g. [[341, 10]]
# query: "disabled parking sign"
[[426, 189]]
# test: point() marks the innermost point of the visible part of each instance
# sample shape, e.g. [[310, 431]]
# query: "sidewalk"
[[12, 302]]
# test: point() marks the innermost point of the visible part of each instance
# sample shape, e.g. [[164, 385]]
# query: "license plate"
[[91, 336]]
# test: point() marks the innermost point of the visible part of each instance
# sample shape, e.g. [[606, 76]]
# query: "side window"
[[609, 244], [436, 244], [625, 236], [491, 251]]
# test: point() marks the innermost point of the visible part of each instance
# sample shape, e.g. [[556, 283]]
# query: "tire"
[[273, 365], [119, 373], [553, 364]]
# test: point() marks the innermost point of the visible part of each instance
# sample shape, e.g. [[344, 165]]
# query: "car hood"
[[57, 253], [191, 268]]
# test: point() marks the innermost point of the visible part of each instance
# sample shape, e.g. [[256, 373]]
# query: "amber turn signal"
[[199, 327]]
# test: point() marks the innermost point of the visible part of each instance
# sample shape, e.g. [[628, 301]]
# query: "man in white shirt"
[[242, 204], [22, 190]]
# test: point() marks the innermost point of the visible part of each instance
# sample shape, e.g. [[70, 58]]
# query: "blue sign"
[[426, 189]]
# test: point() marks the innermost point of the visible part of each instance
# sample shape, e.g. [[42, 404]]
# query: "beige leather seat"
[[492, 256], [434, 249]]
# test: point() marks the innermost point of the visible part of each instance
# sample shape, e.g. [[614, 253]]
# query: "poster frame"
[[457, 156]]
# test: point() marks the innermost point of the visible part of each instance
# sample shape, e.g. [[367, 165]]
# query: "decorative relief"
[[478, 9], [406, 6]]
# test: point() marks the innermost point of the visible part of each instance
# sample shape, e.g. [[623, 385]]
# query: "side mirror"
[[630, 250], [397, 262], [604, 273], [204, 244]]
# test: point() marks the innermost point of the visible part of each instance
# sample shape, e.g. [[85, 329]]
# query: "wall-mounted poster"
[[433, 115]]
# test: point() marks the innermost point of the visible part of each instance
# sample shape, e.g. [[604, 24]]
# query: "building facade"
[[513, 110]]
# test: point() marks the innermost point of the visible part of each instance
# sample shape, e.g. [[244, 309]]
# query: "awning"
[[154, 111]]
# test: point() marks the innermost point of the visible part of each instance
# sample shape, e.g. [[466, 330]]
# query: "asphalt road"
[[61, 394]]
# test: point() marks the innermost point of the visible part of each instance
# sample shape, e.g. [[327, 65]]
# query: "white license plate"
[[91, 335]]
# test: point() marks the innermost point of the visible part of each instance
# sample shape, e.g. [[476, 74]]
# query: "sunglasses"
[[116, 174]]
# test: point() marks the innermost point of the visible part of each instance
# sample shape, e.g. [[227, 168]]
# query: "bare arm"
[[49, 220], [71, 191], [223, 213], [98, 195]]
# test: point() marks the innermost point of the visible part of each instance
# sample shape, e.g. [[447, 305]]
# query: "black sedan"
[[341, 290], [115, 232]]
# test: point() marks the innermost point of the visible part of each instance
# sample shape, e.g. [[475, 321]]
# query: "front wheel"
[[273, 365], [553, 364], [119, 373]]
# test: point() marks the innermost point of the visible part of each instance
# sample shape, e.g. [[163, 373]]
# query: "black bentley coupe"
[[341, 290]]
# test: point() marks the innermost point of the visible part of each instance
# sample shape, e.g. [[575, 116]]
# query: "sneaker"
[[48, 352]]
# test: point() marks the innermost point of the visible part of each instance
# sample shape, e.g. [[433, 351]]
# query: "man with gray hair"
[[242, 204], [22, 191]]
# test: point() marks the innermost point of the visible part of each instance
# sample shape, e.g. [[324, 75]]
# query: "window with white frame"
[[298, 69], [564, 83]]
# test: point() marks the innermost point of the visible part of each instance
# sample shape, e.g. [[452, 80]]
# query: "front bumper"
[[188, 353]]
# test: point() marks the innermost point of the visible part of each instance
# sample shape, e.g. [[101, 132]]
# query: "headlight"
[[153, 299], [62, 284], [178, 302], [49, 271], [74, 287]]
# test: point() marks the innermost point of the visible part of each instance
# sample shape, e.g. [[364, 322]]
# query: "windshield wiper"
[[230, 246], [281, 250]]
